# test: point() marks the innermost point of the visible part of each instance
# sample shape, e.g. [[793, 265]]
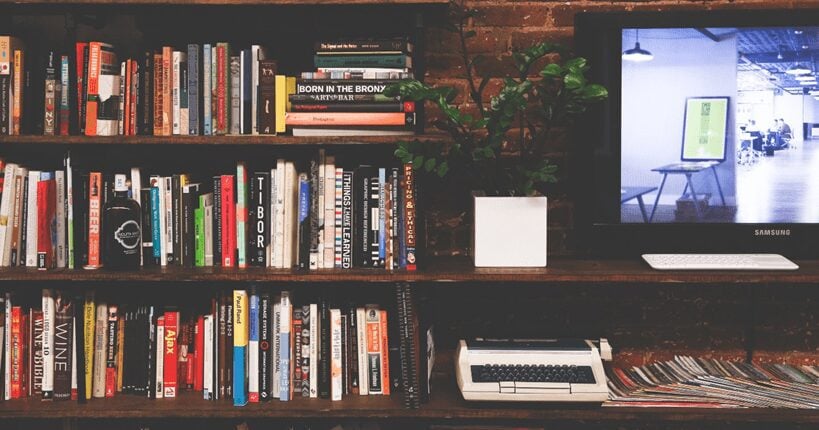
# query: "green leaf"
[[429, 164], [418, 161], [595, 92], [401, 153], [442, 170], [577, 64], [574, 80], [552, 70]]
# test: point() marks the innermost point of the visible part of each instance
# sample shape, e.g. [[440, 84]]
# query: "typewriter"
[[541, 370]]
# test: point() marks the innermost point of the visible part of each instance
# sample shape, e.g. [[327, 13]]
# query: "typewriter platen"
[[545, 370]]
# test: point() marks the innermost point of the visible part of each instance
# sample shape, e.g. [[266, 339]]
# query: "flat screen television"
[[709, 141]]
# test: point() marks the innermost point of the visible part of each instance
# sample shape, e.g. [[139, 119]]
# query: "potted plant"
[[548, 87]]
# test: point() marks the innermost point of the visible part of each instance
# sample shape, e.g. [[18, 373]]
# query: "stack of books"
[[306, 214], [710, 383], [245, 345], [343, 96], [197, 89]]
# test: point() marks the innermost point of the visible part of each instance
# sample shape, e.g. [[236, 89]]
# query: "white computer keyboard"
[[719, 262]]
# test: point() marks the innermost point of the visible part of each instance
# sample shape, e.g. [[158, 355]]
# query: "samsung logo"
[[772, 232]]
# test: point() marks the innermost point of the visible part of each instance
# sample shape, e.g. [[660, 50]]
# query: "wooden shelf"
[[212, 140], [443, 270], [226, 2], [446, 404]]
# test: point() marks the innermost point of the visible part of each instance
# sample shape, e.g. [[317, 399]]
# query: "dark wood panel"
[[210, 140], [443, 271], [228, 2]]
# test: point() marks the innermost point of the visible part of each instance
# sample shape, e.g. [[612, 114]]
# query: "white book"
[[100, 343], [62, 259], [274, 354], [241, 214], [74, 371], [206, 90], [329, 212], [347, 132], [207, 360], [121, 119], [7, 352], [241, 84], [176, 58], [339, 219], [158, 388], [291, 214], [69, 211], [314, 350], [48, 343], [278, 215], [256, 53], [271, 245], [168, 244], [361, 327], [336, 389], [136, 194], [31, 225], [319, 253], [285, 315], [108, 85], [208, 215], [163, 229], [6, 205]]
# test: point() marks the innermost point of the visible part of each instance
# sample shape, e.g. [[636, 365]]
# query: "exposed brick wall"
[[502, 25]]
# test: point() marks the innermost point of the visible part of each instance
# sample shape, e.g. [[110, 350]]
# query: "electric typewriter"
[[542, 370]]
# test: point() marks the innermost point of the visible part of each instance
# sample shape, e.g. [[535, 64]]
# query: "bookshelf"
[[450, 278]]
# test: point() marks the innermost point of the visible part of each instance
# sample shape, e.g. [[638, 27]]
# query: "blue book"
[[253, 349], [193, 88], [284, 352], [240, 335], [382, 216], [155, 238], [207, 116]]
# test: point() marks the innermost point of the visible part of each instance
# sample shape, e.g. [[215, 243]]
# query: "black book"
[[145, 110], [80, 201], [125, 314], [303, 242], [79, 320], [217, 220], [24, 223], [148, 258], [259, 206], [190, 201], [229, 349], [324, 349], [352, 357], [143, 385], [362, 213], [347, 221], [73, 112], [5, 105], [265, 361], [34, 102], [315, 228], [176, 218], [84, 101], [63, 344], [401, 45], [246, 97]]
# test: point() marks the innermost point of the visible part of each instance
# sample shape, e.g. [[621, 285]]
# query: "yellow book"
[[90, 317], [120, 351], [281, 103], [17, 90], [240, 338], [290, 86]]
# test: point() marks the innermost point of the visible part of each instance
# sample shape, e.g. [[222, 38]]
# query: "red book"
[[16, 351], [94, 219], [385, 355], [228, 221], [169, 376], [46, 223], [221, 88], [126, 105], [332, 119], [24, 338], [199, 354], [158, 94], [79, 50], [111, 353]]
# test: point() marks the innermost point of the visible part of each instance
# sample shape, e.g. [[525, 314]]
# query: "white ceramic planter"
[[509, 232]]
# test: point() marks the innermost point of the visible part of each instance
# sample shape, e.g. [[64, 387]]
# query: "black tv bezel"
[[594, 162]]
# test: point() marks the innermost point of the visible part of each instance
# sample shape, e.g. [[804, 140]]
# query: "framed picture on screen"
[[705, 129]]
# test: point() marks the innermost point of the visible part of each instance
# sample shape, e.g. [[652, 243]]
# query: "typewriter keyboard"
[[533, 373]]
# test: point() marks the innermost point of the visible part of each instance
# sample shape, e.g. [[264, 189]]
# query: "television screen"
[[719, 125]]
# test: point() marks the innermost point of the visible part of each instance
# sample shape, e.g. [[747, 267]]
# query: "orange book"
[[17, 103], [167, 57], [158, 94], [16, 352], [94, 219], [92, 84], [385, 356], [349, 118]]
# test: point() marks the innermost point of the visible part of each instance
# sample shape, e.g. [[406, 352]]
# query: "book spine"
[[100, 343], [325, 349], [374, 234], [35, 353], [335, 355], [17, 211], [111, 352], [385, 355], [208, 232], [296, 357], [168, 199], [399, 45], [352, 357], [176, 81], [246, 106], [184, 111], [63, 347], [338, 203], [257, 55], [159, 92], [241, 214], [32, 224], [94, 219], [148, 229], [279, 216], [264, 346], [235, 96], [303, 222], [122, 91], [357, 107], [363, 217], [134, 100], [328, 119], [146, 94], [284, 347], [158, 384], [194, 67], [190, 200], [167, 92], [267, 97], [16, 352], [217, 220], [50, 127], [349, 243], [120, 352], [69, 211], [89, 323], [46, 217], [65, 91], [275, 349], [171, 354], [363, 373], [207, 124], [207, 361], [316, 213], [313, 333], [59, 212], [48, 344], [92, 88], [409, 211], [382, 217], [259, 219], [23, 253], [199, 236], [222, 88], [253, 350], [281, 104], [397, 61], [374, 345], [349, 100], [240, 341], [228, 221], [176, 219], [305, 362], [105, 110]]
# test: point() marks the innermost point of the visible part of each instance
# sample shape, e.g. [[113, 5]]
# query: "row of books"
[[342, 96], [202, 89], [311, 215], [249, 346], [711, 383]]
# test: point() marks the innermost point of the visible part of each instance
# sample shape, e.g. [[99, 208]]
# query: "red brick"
[[527, 37], [511, 15], [487, 40]]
